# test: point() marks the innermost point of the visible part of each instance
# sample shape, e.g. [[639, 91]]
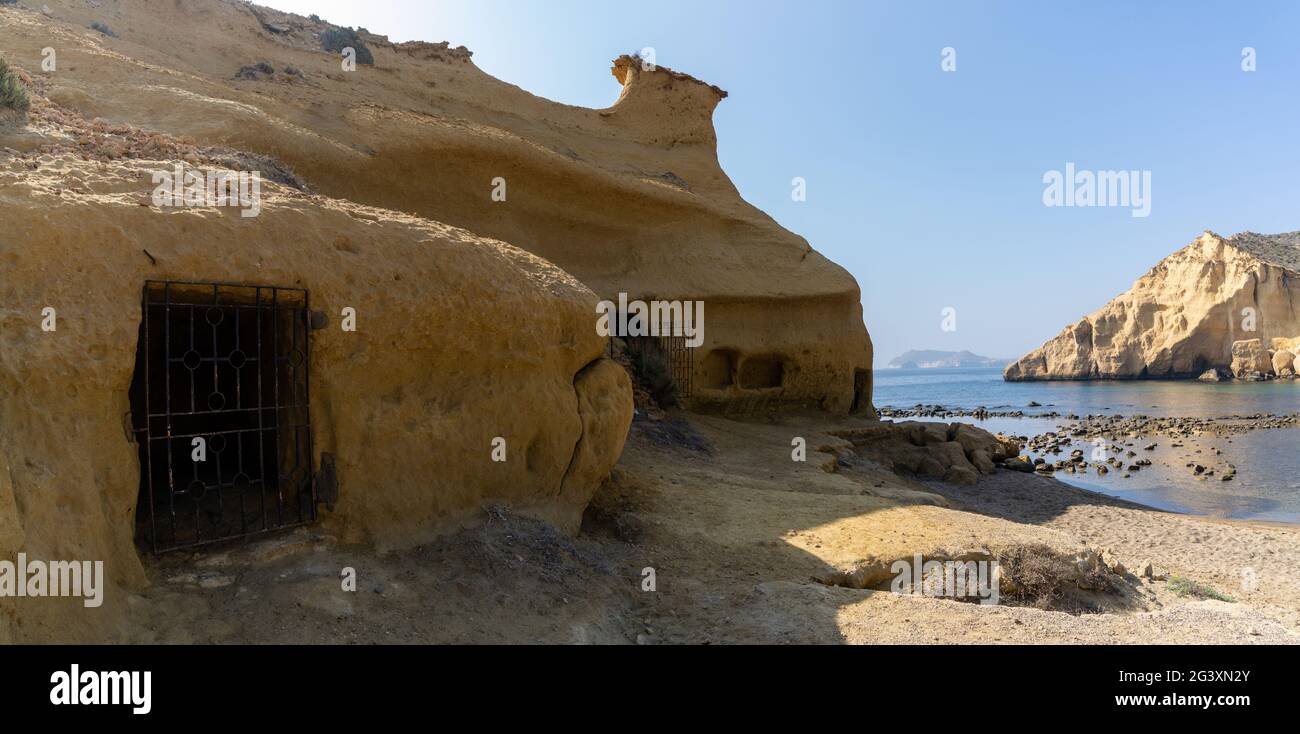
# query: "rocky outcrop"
[[958, 452], [1283, 363], [459, 340], [1250, 357], [1214, 374], [1185, 316], [628, 199], [391, 189]]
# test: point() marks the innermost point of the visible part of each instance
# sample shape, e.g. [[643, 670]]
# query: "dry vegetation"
[[13, 94]]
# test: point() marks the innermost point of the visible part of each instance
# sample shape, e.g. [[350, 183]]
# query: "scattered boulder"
[[1112, 561], [1283, 361], [1148, 570], [253, 72], [1019, 463], [1092, 570], [1215, 374], [1250, 356], [956, 452]]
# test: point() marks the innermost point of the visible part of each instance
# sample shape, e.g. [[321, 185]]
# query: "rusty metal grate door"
[[220, 407], [681, 363]]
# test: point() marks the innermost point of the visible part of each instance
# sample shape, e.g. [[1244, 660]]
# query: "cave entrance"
[[219, 405], [680, 357], [861, 391], [663, 360]]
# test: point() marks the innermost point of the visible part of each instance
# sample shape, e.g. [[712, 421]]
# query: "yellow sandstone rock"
[[1183, 317], [392, 189], [460, 339], [629, 199]]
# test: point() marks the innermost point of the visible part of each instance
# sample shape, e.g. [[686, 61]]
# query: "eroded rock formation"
[[627, 199], [1250, 357], [377, 195], [1200, 309], [408, 404]]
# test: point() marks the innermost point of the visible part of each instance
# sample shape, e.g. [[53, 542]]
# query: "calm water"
[[1267, 485]]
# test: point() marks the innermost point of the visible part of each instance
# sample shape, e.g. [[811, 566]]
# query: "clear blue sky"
[[927, 185]]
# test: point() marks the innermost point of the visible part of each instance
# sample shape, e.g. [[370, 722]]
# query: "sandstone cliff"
[[408, 404], [1183, 317], [627, 199], [477, 314]]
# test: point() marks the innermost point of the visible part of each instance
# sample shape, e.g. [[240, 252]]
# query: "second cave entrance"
[[219, 407]]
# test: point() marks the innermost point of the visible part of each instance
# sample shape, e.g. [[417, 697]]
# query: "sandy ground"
[[747, 546]]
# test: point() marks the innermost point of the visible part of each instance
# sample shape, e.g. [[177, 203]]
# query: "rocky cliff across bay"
[[1216, 309]]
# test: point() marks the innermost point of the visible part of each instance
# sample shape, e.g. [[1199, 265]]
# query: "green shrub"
[[13, 95], [337, 39], [1186, 587]]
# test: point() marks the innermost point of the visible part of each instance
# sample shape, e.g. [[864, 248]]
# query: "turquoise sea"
[[1267, 485]]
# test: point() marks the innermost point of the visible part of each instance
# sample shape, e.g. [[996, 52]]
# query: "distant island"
[[935, 359]]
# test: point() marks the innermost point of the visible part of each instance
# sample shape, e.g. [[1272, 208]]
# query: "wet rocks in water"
[[1121, 437], [1019, 463], [938, 411]]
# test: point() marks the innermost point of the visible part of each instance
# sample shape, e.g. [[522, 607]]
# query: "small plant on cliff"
[[13, 95], [103, 28], [337, 39]]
